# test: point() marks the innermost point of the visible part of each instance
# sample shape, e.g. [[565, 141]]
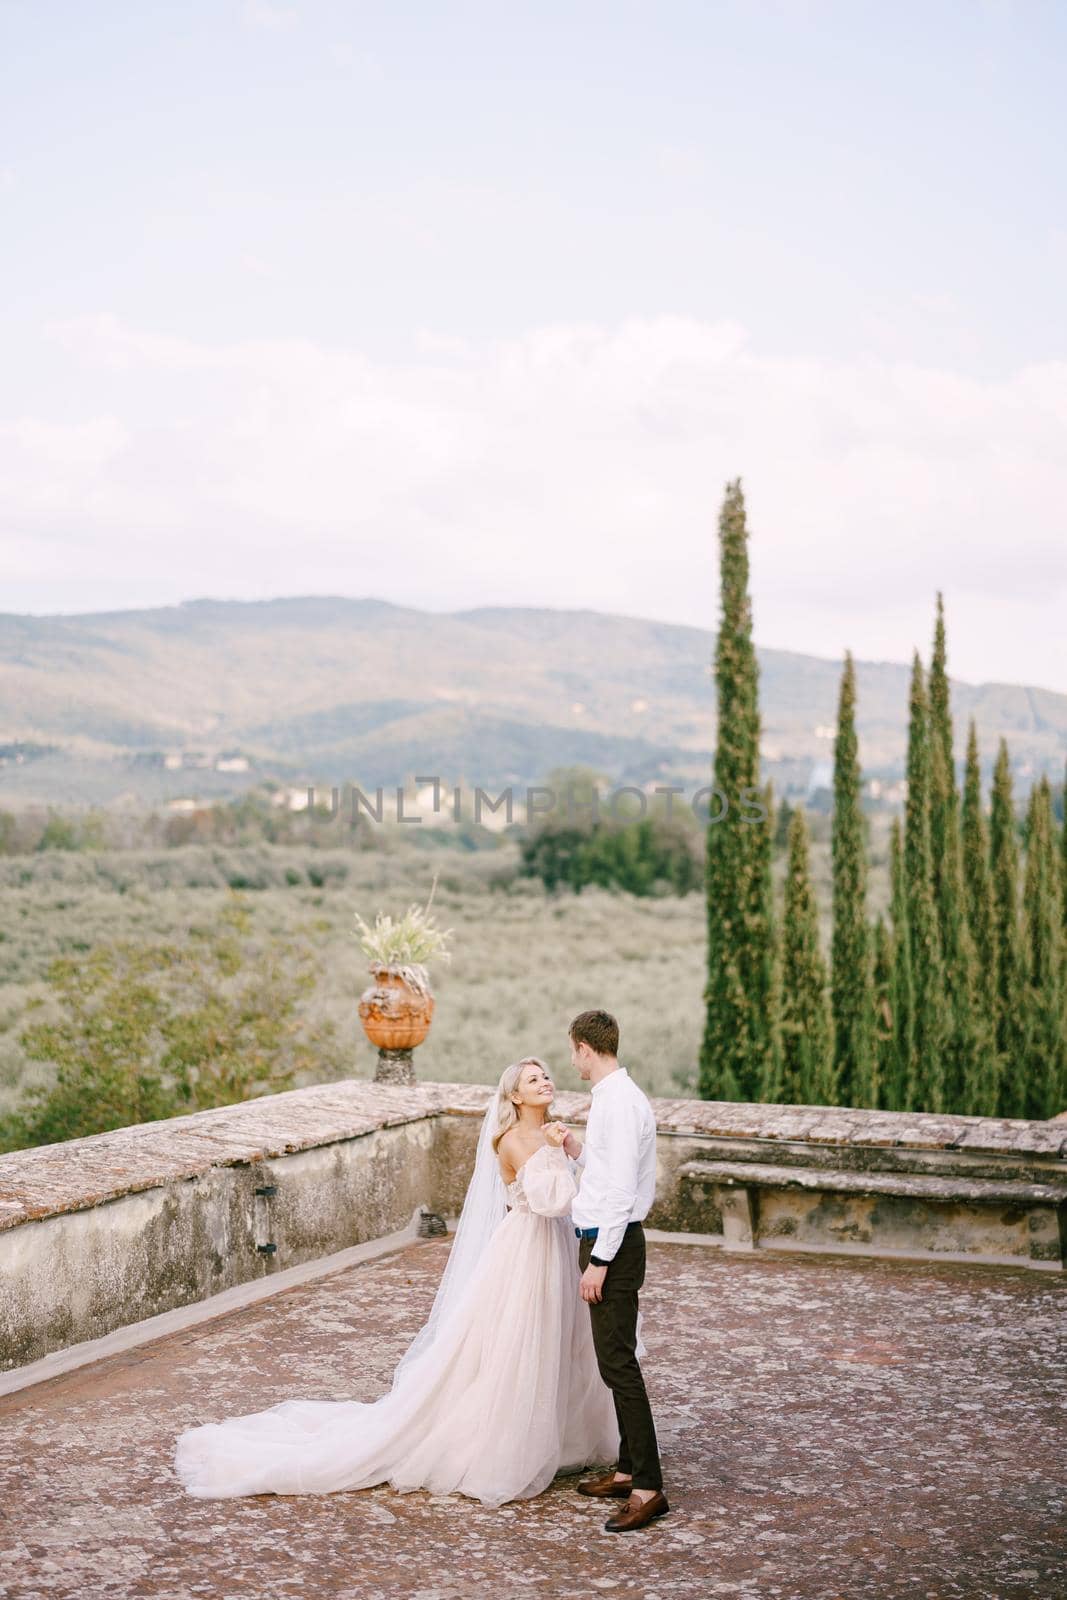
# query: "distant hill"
[[334, 690]]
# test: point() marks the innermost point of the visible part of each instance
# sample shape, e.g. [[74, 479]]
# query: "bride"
[[499, 1390]]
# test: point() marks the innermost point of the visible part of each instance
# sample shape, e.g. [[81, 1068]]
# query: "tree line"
[[957, 1002]]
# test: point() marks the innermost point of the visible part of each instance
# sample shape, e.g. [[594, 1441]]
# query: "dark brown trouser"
[[614, 1320]]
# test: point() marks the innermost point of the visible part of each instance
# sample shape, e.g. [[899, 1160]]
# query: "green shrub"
[[655, 855], [146, 1031]]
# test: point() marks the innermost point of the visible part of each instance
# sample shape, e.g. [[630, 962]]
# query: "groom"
[[618, 1186]]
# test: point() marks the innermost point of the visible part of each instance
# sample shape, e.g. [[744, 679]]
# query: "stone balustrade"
[[103, 1232]]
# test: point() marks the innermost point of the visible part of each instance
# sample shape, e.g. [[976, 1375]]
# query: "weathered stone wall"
[[98, 1233]]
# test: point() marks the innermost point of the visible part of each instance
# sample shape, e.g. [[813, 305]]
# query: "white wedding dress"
[[507, 1394]]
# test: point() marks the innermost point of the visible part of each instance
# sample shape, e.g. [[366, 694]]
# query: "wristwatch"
[[595, 1261]]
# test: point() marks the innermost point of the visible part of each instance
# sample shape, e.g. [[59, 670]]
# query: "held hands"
[[559, 1134], [591, 1283]]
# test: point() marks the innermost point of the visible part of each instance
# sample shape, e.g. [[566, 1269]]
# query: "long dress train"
[[506, 1396]]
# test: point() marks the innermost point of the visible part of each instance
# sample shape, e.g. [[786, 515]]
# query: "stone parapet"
[[99, 1233]]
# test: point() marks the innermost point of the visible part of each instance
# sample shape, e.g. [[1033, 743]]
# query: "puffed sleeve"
[[548, 1182]]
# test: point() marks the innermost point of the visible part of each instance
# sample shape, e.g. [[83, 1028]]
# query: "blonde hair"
[[509, 1082]]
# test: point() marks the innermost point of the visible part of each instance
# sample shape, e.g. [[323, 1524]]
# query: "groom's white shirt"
[[618, 1162]]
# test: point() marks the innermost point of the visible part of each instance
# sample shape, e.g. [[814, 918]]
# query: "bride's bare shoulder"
[[509, 1155]]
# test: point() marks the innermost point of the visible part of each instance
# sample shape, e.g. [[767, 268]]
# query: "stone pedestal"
[[395, 1066]]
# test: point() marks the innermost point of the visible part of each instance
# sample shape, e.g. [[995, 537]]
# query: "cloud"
[[260, 14], [365, 62], [52, 466], [576, 465], [257, 267]]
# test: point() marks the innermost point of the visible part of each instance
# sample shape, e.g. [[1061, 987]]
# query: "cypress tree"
[[807, 1065], [940, 711], [967, 1041], [901, 1050], [1063, 851], [852, 992], [1045, 1072], [926, 1083], [977, 879], [884, 1045], [1008, 994], [978, 885], [737, 1053], [767, 955], [781, 825]]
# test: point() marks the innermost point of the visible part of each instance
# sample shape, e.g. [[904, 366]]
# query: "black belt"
[[591, 1233]]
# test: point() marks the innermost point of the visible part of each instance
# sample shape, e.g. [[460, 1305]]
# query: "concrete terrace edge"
[[129, 1336], [51, 1179], [104, 1232]]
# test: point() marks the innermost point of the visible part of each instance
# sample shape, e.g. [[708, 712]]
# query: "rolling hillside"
[[334, 690]]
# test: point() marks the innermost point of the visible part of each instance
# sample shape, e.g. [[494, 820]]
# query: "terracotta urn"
[[394, 1015]]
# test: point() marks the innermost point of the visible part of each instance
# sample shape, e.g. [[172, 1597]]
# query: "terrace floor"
[[830, 1428]]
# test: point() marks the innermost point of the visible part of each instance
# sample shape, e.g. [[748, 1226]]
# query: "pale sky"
[[471, 304]]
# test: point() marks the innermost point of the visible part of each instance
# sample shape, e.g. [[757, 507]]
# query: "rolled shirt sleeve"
[[623, 1140]]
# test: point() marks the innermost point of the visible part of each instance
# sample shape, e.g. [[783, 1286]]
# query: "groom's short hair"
[[597, 1029]]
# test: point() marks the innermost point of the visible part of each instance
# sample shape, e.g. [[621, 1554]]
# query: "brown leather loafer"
[[635, 1513], [607, 1486]]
